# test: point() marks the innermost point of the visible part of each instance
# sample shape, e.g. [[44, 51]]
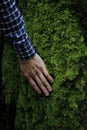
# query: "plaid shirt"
[[12, 25]]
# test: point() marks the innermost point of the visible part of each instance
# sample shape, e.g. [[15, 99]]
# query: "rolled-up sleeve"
[[13, 27]]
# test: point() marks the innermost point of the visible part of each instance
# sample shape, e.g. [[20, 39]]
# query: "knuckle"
[[43, 81], [46, 84], [40, 67], [40, 84], [47, 75], [34, 74], [33, 84], [44, 89], [26, 75]]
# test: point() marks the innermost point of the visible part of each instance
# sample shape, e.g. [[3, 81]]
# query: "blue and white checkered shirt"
[[12, 25]]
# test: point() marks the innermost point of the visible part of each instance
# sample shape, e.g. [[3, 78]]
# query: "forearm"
[[12, 25]]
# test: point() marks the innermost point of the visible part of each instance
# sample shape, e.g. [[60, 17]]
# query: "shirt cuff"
[[25, 50]]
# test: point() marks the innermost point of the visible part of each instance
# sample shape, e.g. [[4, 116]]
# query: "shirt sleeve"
[[13, 27]]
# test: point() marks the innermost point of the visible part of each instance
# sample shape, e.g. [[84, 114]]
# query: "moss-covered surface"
[[57, 37]]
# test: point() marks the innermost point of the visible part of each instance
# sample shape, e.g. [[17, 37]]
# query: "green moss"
[[56, 35]]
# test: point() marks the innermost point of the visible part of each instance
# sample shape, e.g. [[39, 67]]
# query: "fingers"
[[47, 75], [34, 85], [41, 85], [35, 71], [45, 82]]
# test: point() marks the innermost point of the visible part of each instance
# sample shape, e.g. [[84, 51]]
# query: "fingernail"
[[51, 90], [47, 94], [52, 81]]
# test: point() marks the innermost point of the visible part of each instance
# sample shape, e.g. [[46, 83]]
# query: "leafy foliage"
[[56, 35]]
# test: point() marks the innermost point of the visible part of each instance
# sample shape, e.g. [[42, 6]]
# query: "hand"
[[35, 71]]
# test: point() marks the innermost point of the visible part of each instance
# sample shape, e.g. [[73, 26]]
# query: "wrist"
[[27, 58], [25, 50]]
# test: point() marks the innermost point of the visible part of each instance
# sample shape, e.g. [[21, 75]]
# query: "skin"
[[34, 70]]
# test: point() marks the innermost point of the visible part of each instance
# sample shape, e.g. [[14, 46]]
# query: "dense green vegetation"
[[57, 36]]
